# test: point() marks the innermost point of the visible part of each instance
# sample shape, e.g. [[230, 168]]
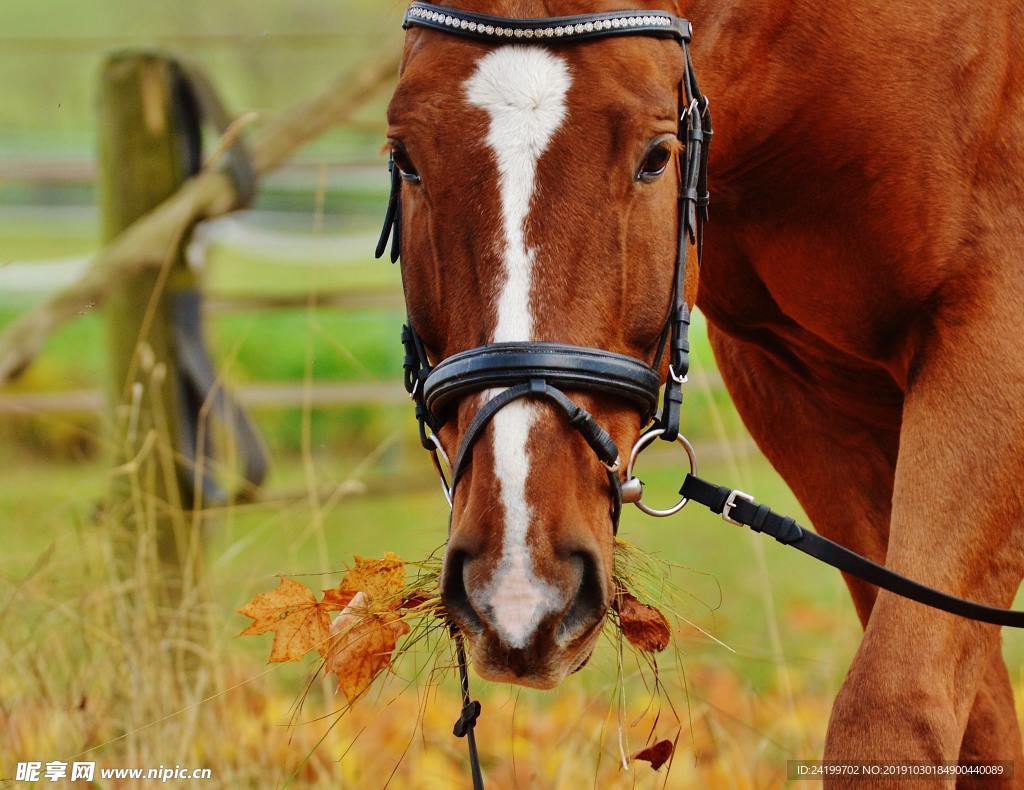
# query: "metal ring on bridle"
[[438, 450], [639, 447]]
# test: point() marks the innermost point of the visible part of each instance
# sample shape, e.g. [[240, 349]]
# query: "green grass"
[[247, 274], [44, 504]]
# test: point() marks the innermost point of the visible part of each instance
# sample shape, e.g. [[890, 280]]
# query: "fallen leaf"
[[657, 754], [415, 600], [362, 646], [382, 581], [644, 626], [336, 599], [300, 624]]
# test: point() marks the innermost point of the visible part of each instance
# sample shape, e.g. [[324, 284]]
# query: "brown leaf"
[[415, 600], [362, 646], [291, 611], [657, 754], [336, 599], [644, 626], [382, 581]]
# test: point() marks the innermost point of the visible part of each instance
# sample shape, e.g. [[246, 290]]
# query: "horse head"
[[538, 185]]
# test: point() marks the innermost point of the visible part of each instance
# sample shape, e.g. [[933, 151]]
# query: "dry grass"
[[112, 654], [98, 668]]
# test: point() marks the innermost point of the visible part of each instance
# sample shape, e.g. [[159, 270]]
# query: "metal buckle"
[[730, 503], [693, 105], [676, 377]]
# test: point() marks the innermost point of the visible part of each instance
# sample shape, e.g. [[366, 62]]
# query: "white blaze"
[[523, 91]]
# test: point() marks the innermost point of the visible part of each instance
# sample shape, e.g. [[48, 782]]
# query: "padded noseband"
[[567, 367]]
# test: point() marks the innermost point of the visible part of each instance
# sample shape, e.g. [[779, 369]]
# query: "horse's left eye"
[[655, 162]]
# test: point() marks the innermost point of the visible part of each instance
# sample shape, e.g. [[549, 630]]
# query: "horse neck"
[[758, 62]]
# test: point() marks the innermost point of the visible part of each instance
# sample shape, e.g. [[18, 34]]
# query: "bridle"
[[542, 370]]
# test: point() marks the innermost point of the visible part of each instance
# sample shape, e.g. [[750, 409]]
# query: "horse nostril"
[[453, 592], [588, 605]]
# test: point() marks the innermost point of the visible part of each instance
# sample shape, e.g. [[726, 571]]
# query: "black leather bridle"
[[543, 370]]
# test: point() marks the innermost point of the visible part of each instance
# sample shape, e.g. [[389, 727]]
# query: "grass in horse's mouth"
[[424, 656]]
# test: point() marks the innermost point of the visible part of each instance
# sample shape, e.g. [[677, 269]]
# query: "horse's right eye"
[[404, 164]]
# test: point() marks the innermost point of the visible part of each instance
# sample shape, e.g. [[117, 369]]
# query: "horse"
[[862, 289]]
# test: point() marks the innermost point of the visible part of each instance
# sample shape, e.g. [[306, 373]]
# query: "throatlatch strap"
[[739, 508]]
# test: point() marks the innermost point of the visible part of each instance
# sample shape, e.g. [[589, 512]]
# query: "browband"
[[563, 366], [550, 29]]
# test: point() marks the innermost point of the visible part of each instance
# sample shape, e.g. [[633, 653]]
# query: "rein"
[[541, 370]]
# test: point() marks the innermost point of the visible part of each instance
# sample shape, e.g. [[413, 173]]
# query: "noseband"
[[542, 370]]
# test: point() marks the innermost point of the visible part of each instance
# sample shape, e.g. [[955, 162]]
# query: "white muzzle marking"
[[523, 91]]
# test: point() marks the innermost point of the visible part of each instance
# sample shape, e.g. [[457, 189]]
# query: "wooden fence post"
[[146, 145], [165, 394]]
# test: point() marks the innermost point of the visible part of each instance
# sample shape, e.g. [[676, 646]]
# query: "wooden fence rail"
[[261, 395], [146, 243]]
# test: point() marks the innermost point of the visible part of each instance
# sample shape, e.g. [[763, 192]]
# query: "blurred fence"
[[252, 230]]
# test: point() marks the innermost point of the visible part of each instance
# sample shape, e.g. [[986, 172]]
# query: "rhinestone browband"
[[482, 26]]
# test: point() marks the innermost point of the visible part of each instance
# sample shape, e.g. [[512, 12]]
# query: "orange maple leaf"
[[381, 580], [656, 754], [300, 624], [363, 645], [336, 599], [363, 638], [644, 626]]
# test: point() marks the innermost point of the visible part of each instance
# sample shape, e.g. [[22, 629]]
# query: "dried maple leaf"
[[336, 599], [300, 624], [362, 646], [382, 581], [657, 754], [415, 600], [644, 626]]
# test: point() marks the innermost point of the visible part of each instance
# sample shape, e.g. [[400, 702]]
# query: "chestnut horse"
[[862, 283]]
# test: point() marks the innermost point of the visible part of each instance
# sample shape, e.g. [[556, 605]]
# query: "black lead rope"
[[739, 508], [470, 712]]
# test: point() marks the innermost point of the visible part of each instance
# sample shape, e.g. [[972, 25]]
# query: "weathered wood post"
[[147, 145], [162, 387]]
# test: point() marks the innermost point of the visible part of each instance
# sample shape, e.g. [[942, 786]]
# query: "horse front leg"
[[992, 731], [923, 682]]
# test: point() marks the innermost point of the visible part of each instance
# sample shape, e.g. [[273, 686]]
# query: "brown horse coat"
[[863, 286]]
